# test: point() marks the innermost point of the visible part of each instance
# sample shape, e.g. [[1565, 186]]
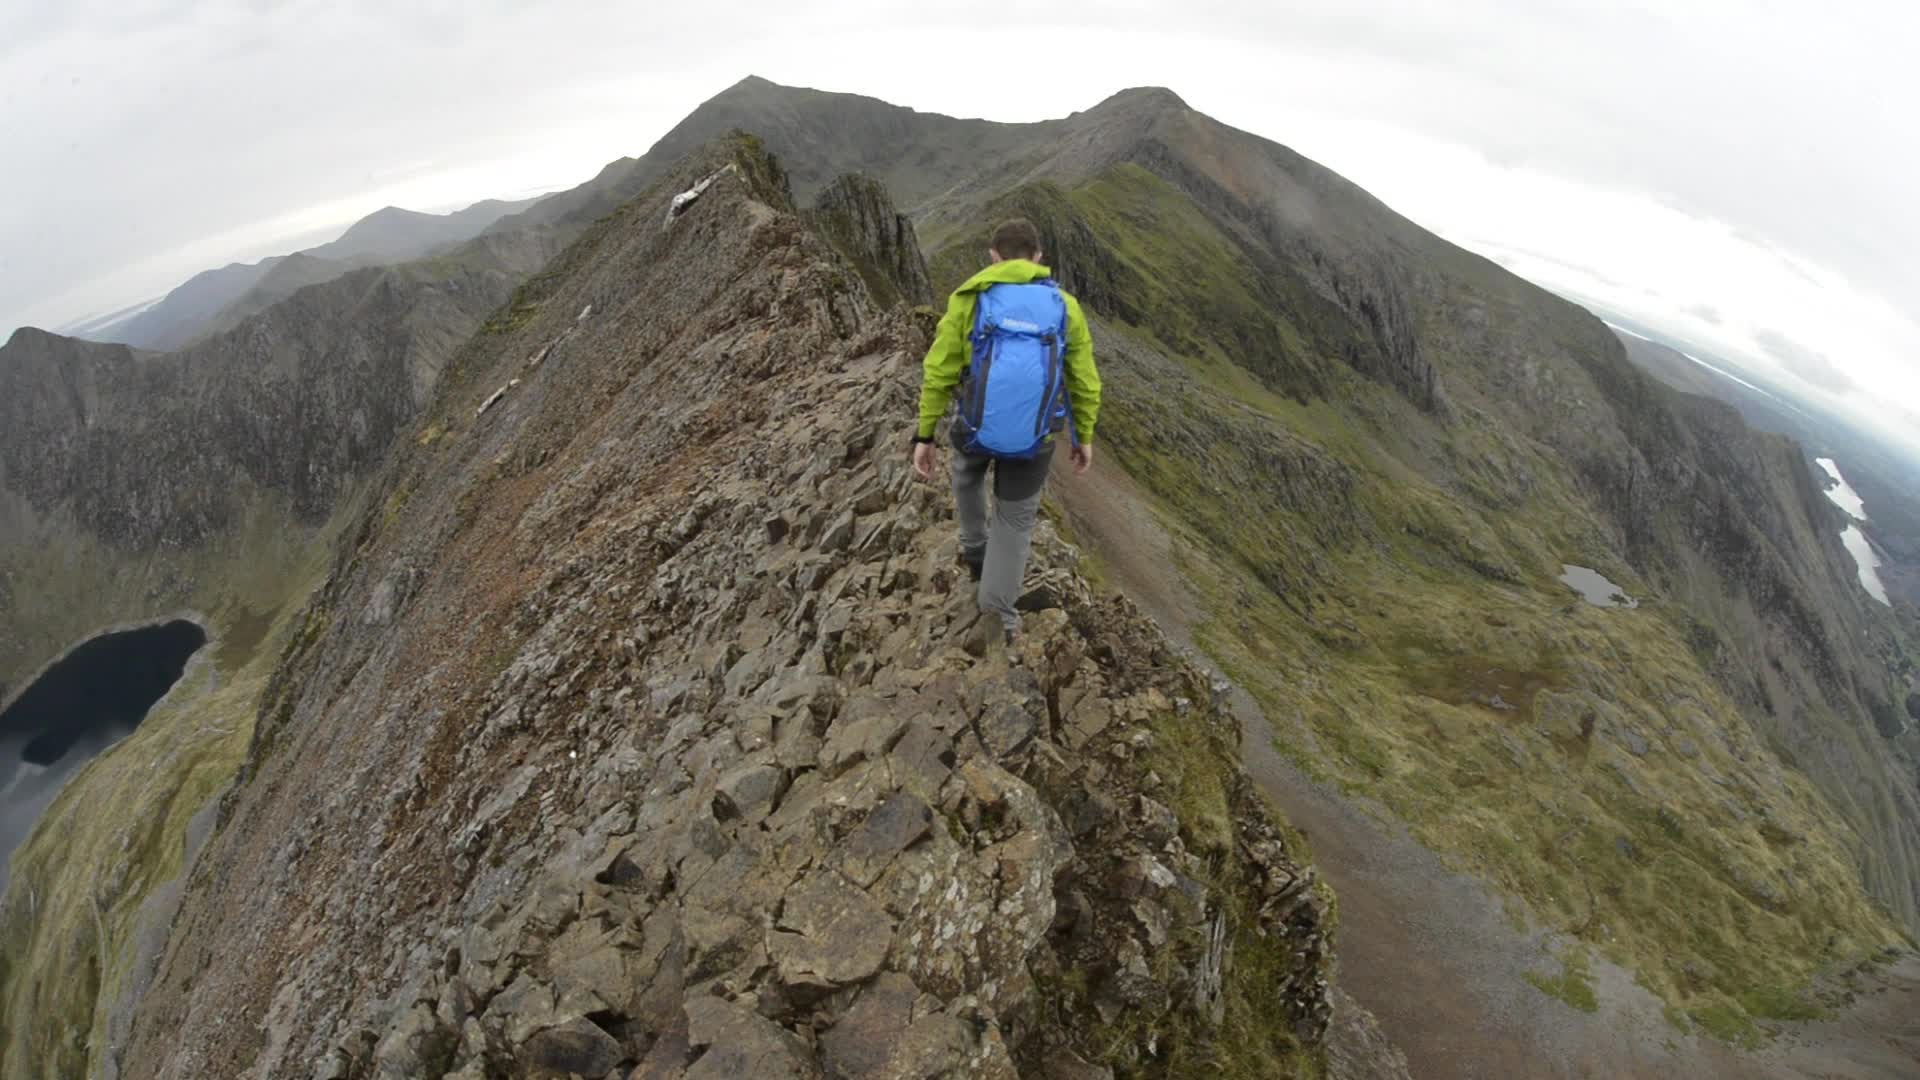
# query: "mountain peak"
[[24, 336], [753, 87], [1157, 98], [387, 214]]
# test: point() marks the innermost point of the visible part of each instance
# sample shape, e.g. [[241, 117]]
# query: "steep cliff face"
[[144, 449], [1725, 520], [855, 214], [1878, 472], [144, 455], [651, 725]]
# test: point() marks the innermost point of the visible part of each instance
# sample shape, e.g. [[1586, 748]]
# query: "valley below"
[[1444, 968], [84, 702]]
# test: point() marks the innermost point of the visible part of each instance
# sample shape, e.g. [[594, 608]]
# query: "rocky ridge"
[[1507, 407], [1526, 463], [646, 725], [1333, 256]]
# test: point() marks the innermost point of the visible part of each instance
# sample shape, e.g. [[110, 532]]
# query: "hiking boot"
[[981, 638], [1007, 643], [987, 637], [973, 563]]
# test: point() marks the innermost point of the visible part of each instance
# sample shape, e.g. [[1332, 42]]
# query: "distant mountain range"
[[215, 300]]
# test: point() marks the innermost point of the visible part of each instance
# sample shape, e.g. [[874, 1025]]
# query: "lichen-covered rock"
[[632, 781]]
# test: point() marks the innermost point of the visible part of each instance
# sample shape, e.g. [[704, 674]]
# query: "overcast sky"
[[1742, 174]]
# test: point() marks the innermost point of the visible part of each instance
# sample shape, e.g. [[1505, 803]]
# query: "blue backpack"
[[1013, 396]]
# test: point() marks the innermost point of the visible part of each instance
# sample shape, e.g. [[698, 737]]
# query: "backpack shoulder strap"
[[980, 311], [1060, 298]]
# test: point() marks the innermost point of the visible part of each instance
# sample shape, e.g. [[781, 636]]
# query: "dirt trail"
[[1427, 951]]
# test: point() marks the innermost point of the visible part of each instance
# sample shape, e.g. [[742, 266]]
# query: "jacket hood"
[[1007, 271]]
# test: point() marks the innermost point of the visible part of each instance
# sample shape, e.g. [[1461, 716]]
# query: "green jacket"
[[950, 356]]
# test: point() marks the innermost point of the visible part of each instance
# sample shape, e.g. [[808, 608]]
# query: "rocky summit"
[[644, 726]]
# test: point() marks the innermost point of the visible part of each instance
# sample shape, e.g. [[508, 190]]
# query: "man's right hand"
[[1082, 458], [923, 461]]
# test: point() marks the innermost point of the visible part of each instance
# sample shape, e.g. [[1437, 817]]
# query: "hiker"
[[1017, 347]]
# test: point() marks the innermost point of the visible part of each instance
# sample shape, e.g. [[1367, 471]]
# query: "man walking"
[[1017, 348]]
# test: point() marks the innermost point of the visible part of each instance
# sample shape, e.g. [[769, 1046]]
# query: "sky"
[[1736, 174]]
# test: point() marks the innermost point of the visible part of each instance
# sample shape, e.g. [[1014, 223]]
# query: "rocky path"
[[1429, 966], [629, 739]]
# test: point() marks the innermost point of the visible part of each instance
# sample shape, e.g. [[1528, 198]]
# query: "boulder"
[[829, 932]]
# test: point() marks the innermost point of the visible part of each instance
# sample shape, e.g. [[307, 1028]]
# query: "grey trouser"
[[1002, 548]]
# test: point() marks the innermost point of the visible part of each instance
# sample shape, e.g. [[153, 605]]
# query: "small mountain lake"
[[1841, 492], [84, 702], [1864, 560], [1594, 588]]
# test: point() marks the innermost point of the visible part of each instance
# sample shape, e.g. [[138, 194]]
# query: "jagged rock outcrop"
[[1511, 438], [646, 724], [856, 215]]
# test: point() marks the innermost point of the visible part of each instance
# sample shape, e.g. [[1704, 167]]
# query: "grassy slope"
[[79, 879], [1375, 583], [66, 585]]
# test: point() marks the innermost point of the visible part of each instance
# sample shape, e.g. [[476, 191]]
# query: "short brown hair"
[[1016, 239]]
